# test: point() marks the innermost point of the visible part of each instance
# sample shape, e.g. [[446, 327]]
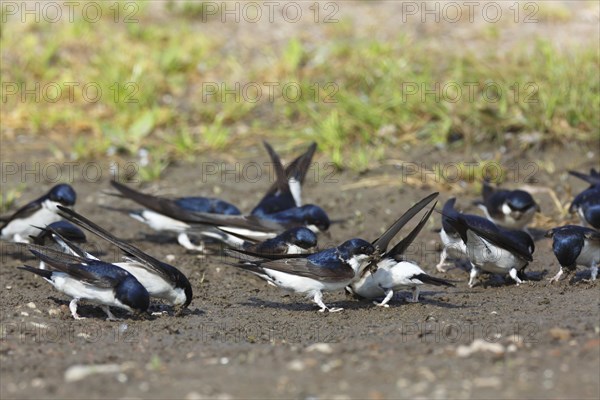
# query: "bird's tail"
[[432, 280], [44, 273]]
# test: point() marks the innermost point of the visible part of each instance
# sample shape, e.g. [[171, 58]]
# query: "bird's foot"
[[441, 268], [382, 304]]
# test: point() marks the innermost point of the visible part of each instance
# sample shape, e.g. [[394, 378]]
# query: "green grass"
[[353, 101], [9, 198]]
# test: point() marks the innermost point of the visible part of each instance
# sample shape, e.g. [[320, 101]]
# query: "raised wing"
[[593, 178], [298, 168], [399, 249], [384, 240], [279, 196]]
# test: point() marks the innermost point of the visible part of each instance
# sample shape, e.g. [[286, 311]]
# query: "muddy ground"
[[244, 339]]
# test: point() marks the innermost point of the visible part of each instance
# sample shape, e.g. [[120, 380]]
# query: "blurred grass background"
[[354, 79]]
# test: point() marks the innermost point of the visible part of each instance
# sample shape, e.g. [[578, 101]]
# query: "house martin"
[[511, 209], [37, 213], [453, 246], [168, 215], [328, 270], [493, 249], [587, 203], [59, 235], [299, 240], [575, 245], [92, 280], [162, 280]]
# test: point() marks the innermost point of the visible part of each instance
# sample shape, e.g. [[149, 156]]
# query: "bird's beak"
[[373, 260], [376, 256]]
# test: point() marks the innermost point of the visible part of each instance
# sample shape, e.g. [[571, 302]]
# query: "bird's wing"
[[166, 271], [50, 252], [298, 168], [91, 272], [593, 178], [492, 234], [332, 272], [66, 243], [399, 249], [160, 205], [383, 241], [233, 223], [592, 235], [26, 211]]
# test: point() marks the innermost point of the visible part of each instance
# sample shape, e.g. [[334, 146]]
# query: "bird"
[[328, 270], [92, 280], [163, 214], [62, 227], [453, 246], [54, 236], [512, 209], [493, 249], [39, 212], [587, 206], [394, 273], [299, 240], [162, 280], [286, 191], [587, 203], [575, 245]]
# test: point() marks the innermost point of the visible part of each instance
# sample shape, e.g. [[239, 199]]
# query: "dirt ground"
[[244, 339]]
